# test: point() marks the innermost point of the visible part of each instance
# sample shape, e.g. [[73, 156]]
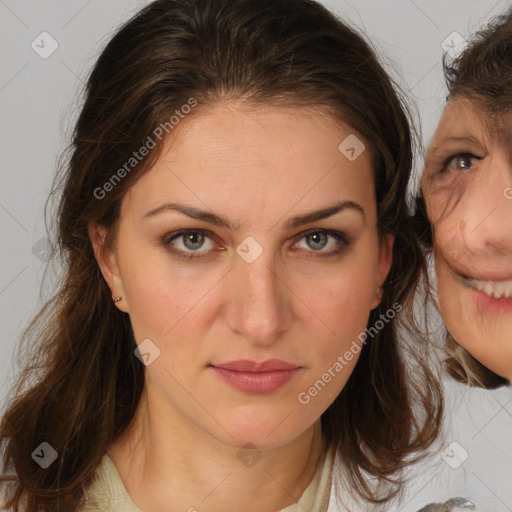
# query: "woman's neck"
[[169, 464]]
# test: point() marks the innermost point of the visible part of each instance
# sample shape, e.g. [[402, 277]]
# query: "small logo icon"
[[508, 193], [454, 249], [147, 352], [44, 45], [249, 249], [352, 147], [44, 455], [42, 249], [453, 44], [249, 455], [455, 455]]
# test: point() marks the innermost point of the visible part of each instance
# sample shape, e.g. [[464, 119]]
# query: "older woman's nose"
[[484, 213]]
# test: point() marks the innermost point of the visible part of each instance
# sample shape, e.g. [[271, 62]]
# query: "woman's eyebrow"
[[453, 139], [324, 213], [294, 222], [447, 146]]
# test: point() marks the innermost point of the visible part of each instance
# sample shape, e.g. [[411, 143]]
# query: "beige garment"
[[108, 494]]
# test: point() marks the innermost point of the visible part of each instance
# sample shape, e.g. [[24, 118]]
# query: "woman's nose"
[[484, 212], [258, 300]]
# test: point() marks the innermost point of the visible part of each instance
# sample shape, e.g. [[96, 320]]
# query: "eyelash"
[[188, 255], [468, 156]]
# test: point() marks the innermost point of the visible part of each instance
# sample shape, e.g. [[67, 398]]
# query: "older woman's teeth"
[[494, 289]]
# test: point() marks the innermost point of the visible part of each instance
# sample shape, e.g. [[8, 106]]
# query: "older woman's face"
[[249, 256], [467, 186]]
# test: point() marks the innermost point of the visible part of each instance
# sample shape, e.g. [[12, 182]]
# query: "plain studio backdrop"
[[39, 87]]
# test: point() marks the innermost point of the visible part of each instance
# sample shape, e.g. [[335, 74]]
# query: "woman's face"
[[249, 256], [467, 186]]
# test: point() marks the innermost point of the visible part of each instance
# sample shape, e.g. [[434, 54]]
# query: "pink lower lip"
[[256, 382], [492, 304]]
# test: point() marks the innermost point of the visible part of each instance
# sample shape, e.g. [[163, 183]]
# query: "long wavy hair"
[[81, 383], [483, 74]]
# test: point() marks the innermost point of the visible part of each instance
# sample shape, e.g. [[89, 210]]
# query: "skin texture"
[[467, 187], [256, 167]]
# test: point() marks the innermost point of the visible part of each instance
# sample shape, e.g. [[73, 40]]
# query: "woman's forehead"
[[467, 120], [233, 144], [268, 162]]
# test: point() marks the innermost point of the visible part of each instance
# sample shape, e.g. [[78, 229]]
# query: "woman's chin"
[[263, 434], [493, 350], [498, 362], [480, 324]]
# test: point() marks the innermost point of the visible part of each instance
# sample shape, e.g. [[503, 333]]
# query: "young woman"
[[239, 261], [467, 190]]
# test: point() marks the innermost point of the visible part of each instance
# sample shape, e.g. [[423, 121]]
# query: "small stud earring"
[[117, 299]]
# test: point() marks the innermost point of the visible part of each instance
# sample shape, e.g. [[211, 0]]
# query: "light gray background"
[[38, 105]]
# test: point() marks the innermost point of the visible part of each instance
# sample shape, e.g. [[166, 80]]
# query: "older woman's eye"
[[463, 162]]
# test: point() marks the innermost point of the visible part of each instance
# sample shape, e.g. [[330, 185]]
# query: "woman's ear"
[[107, 261], [384, 262]]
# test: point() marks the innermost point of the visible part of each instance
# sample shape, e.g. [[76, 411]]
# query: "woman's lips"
[[502, 305], [492, 295], [496, 289], [257, 377]]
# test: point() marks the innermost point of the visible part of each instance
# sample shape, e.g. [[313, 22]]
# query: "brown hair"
[[483, 74], [88, 382], [483, 71]]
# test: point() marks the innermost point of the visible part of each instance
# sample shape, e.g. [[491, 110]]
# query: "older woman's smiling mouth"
[[493, 289], [492, 296]]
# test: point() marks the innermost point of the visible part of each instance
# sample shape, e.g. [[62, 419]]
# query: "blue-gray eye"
[[189, 241], [317, 240], [462, 162]]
